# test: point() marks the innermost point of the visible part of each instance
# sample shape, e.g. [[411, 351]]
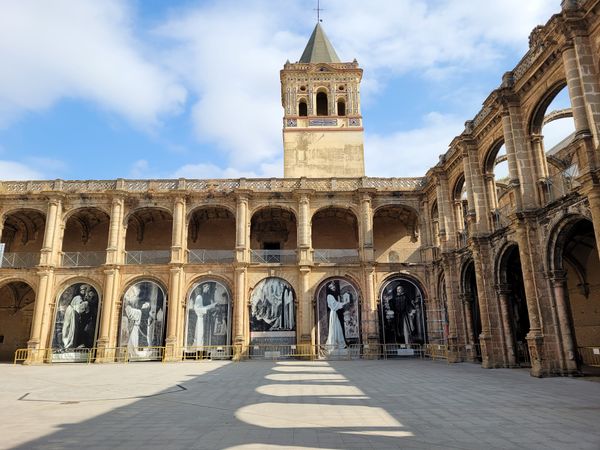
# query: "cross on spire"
[[318, 10]]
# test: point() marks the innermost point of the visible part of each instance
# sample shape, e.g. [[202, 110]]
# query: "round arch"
[[535, 122], [17, 299], [144, 312], [402, 301], [337, 314], [208, 314]]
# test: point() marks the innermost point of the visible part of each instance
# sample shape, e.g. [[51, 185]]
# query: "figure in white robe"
[[288, 301], [201, 312], [134, 317], [335, 337], [71, 320]]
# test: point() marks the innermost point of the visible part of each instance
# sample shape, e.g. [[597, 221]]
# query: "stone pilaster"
[[304, 231], [503, 292], [558, 279], [178, 241], [366, 221], [242, 229]]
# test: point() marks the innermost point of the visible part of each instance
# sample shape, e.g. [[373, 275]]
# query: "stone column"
[[240, 306], [594, 198], [115, 248], [511, 157], [50, 252], [476, 189], [366, 220], [242, 227], [305, 319], [371, 306], [37, 343], [174, 340], [456, 322], [503, 291], [559, 286], [304, 231], [530, 257], [491, 189], [178, 244], [108, 326], [446, 221]]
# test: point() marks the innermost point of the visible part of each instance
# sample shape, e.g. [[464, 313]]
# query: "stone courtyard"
[[294, 404]]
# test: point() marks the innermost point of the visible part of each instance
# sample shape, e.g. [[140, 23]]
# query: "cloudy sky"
[[190, 88]]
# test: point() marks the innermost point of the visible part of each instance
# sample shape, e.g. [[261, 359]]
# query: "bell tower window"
[[341, 107], [302, 108], [322, 104]]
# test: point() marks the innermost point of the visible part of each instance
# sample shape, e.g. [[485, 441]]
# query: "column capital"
[[558, 277]]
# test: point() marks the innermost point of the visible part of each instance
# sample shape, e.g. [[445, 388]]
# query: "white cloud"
[[411, 153], [79, 49], [230, 54], [12, 170]]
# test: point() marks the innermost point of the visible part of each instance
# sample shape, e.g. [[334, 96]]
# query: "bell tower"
[[322, 123]]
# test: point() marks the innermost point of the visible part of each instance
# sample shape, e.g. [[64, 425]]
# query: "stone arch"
[[144, 312], [208, 304], [76, 319], [211, 227], [489, 159], [272, 314], [402, 312], [273, 227], [346, 307], [23, 229], [334, 227], [322, 101], [341, 106], [470, 296], [513, 301], [460, 202], [302, 107], [396, 233], [17, 300], [536, 119], [86, 230], [148, 228], [575, 271]]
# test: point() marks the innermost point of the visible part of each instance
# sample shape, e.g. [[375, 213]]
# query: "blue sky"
[[153, 89]]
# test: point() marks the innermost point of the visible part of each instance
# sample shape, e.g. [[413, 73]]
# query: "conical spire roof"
[[319, 49]]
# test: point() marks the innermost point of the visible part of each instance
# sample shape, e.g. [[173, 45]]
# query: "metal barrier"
[[590, 356], [148, 257], [435, 351], [19, 260], [210, 256], [83, 259], [21, 355], [273, 256], [337, 256], [210, 352], [452, 353]]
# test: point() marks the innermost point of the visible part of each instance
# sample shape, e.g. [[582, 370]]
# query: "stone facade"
[[507, 270]]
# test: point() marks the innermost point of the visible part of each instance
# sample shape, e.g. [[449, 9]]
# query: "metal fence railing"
[[83, 259], [336, 256], [273, 256], [20, 260], [201, 256], [148, 257], [590, 356]]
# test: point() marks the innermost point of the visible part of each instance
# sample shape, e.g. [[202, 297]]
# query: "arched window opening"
[[557, 133], [302, 109], [16, 310], [211, 235], [322, 108], [396, 235], [471, 296], [341, 107]]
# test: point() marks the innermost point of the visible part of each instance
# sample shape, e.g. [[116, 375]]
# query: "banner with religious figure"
[[273, 313], [75, 323], [338, 318], [208, 315], [143, 319], [402, 312]]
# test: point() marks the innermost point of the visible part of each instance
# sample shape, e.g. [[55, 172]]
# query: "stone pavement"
[[293, 404]]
